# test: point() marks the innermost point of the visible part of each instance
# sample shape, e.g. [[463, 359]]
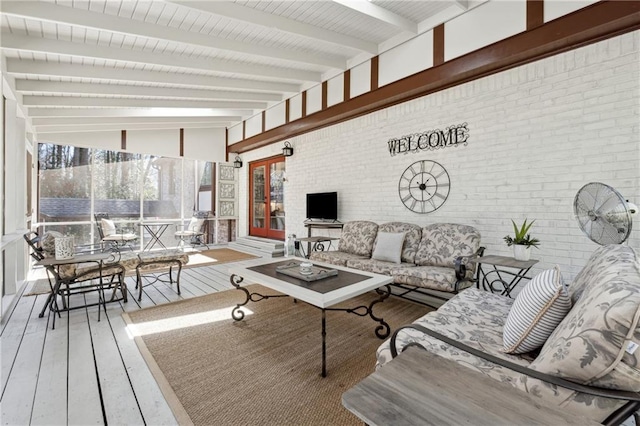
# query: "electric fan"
[[603, 215]]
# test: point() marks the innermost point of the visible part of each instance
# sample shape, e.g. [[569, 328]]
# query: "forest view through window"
[[75, 183]]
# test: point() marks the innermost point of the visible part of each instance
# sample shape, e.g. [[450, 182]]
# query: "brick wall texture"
[[537, 134]]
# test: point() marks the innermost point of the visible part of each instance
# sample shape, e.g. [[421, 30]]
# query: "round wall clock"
[[424, 186]]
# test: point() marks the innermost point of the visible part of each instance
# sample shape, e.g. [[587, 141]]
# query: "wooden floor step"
[[261, 243], [259, 251]]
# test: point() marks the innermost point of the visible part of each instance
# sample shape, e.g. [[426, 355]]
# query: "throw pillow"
[[195, 224], [538, 309], [108, 227], [48, 242], [388, 246]]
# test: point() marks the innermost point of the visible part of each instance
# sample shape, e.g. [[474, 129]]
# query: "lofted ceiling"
[[112, 64]]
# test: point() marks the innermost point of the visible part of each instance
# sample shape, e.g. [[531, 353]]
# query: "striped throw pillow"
[[538, 309]]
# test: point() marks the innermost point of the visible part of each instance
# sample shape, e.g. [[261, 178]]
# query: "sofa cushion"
[[334, 257], [442, 243], [108, 227], [431, 277], [476, 318], [594, 270], [388, 246], [357, 237], [590, 345], [536, 312], [195, 224], [412, 232], [376, 266]]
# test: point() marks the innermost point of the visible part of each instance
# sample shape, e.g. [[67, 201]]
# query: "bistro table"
[[155, 230]]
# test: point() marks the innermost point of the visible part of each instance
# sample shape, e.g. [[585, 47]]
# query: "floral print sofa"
[[434, 257], [594, 344]]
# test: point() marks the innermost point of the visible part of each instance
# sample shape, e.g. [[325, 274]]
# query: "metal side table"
[[496, 279]]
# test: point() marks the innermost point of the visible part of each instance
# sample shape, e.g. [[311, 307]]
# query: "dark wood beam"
[[438, 45], [346, 91], [287, 110], [535, 14], [181, 142], [325, 90], [123, 139], [594, 23], [226, 143], [304, 103], [375, 68]]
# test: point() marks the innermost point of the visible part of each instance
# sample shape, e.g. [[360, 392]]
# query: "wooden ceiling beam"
[[93, 51], [73, 88], [49, 12], [591, 24], [266, 20], [50, 69]]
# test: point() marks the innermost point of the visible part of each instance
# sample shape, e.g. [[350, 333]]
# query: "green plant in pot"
[[522, 241]]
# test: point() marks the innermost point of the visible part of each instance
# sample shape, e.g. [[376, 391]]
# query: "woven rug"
[[264, 369], [40, 286], [216, 257], [196, 259]]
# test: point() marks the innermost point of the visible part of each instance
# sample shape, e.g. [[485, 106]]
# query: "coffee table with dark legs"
[[323, 294]]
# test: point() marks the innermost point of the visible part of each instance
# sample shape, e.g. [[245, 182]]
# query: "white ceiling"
[[99, 64]]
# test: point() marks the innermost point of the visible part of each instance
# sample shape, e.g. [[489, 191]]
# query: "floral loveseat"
[[434, 257], [593, 345]]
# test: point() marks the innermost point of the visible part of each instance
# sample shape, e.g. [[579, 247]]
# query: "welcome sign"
[[430, 140]]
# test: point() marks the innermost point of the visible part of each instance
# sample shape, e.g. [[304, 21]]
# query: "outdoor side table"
[[495, 278], [316, 243]]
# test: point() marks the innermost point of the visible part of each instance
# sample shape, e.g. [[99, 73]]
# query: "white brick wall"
[[538, 133]]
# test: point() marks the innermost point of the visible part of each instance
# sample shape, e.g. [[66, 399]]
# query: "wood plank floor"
[[88, 371]]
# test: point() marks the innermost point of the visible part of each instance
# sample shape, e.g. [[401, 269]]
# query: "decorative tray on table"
[[317, 272]]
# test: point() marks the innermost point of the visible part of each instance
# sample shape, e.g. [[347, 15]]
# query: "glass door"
[[266, 213]]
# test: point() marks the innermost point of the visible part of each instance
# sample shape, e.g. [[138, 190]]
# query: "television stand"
[[317, 224], [322, 221]]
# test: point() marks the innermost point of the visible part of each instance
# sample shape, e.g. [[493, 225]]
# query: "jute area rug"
[[196, 259], [216, 257], [264, 369]]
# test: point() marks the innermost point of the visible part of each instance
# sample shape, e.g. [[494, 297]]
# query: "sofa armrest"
[[615, 418], [461, 263]]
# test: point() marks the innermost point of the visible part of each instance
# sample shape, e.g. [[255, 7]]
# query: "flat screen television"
[[322, 206]]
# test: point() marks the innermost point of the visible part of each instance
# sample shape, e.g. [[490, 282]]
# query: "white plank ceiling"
[[103, 62]]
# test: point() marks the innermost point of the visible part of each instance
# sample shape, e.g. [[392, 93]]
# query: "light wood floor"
[[88, 371]]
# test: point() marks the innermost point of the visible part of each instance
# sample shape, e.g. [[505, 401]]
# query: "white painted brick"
[[538, 133]]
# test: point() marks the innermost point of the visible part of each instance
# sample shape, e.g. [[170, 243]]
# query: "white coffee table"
[[323, 294]]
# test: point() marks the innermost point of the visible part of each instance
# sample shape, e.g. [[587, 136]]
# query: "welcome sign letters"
[[430, 140]]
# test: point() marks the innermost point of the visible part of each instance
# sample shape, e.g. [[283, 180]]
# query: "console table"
[[421, 388], [318, 239], [497, 274]]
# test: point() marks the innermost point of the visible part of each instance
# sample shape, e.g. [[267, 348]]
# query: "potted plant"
[[522, 240]]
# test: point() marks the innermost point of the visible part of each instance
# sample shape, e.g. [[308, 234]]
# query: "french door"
[[266, 198]]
